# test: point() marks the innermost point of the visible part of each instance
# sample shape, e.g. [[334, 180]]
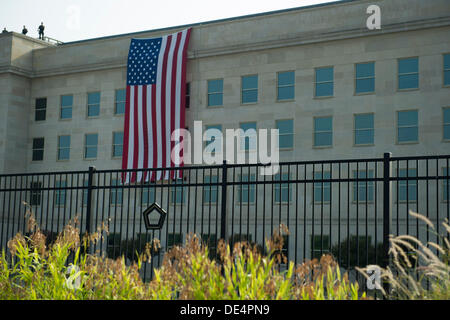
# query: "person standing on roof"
[[24, 31], [41, 31]]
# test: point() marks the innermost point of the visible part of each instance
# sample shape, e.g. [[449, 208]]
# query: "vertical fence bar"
[[223, 208], [89, 200], [387, 210]]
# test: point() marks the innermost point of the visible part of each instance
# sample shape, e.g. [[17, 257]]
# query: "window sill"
[[322, 147], [286, 100], [323, 98], [214, 107], [407, 142], [356, 94], [364, 145], [408, 90]]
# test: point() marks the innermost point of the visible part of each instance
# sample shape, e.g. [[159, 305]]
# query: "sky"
[[72, 20]]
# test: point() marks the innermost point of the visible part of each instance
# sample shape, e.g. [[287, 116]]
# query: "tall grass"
[[415, 271], [64, 270]]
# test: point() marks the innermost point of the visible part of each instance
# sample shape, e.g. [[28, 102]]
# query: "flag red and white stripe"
[[155, 106]]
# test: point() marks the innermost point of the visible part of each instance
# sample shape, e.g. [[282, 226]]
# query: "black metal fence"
[[344, 207]]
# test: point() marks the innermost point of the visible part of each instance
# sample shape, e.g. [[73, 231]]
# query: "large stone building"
[[334, 88]]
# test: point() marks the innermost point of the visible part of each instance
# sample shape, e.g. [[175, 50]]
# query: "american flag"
[[155, 105]]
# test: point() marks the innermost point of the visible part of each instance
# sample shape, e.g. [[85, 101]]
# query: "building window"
[[446, 122], [213, 135], [116, 194], [249, 89], [447, 69], [117, 147], [283, 192], [323, 132], [408, 73], [246, 192], [60, 194], [364, 129], [320, 244], [249, 138], [119, 103], [36, 193], [66, 107], [407, 189], [285, 133], [286, 85], [38, 149], [90, 146], [210, 193], [324, 83], [40, 109], [63, 147], [215, 93], [148, 194], [363, 191], [188, 95], [93, 106], [365, 78], [177, 193], [407, 126], [322, 190]]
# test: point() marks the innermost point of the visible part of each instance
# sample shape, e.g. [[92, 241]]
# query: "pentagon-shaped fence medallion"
[[154, 217]]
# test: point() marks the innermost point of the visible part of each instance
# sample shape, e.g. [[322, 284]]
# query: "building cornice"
[[297, 39]]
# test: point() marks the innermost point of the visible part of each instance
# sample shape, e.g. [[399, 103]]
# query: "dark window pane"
[[323, 124], [38, 143], [323, 139], [250, 82], [94, 111], [91, 139], [365, 85], [446, 61], [40, 115], [286, 78], [410, 81], [286, 93], [215, 99], [41, 103], [120, 108], [447, 132], [365, 70], [215, 86], [408, 118], [38, 155], [64, 141], [63, 154], [324, 74], [447, 78], [94, 98], [324, 89], [363, 121], [66, 113], [409, 65], [66, 101], [249, 96], [364, 137], [408, 134]]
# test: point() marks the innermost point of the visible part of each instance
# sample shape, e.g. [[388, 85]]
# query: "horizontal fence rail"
[[347, 208]]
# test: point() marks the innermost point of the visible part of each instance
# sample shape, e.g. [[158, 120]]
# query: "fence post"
[[223, 210], [387, 211], [89, 200]]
